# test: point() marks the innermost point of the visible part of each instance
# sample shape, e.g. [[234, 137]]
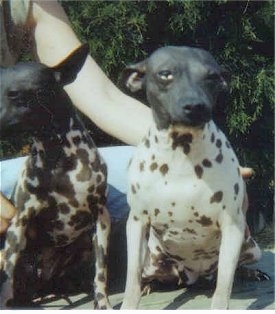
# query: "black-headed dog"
[[186, 192], [61, 193]]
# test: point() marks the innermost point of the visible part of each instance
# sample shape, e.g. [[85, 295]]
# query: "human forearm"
[[92, 92]]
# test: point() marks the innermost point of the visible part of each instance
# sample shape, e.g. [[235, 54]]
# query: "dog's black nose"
[[197, 113]]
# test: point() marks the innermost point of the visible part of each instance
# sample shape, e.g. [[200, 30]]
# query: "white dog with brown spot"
[[185, 191]]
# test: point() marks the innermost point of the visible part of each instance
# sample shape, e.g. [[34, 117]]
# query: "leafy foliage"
[[240, 36]]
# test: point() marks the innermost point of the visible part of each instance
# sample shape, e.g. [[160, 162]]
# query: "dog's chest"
[[182, 182], [65, 198]]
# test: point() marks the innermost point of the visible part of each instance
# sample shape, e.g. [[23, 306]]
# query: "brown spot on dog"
[[216, 197], [61, 239], [99, 296], [63, 208], [91, 189], [133, 189], [182, 140], [218, 143], [170, 214], [157, 231], [219, 158], [158, 248], [74, 203], [130, 162], [164, 169], [153, 166], [174, 232], [157, 211], [156, 139], [205, 221], [135, 218], [238, 171], [80, 220], [173, 204], [212, 268], [207, 163], [212, 138], [68, 163], [58, 224], [199, 171], [153, 157], [101, 277], [147, 143], [236, 188], [191, 231], [196, 214], [98, 178], [141, 166], [227, 144], [145, 212]]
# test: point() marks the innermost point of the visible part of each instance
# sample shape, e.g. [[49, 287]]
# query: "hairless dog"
[[186, 192], [61, 193]]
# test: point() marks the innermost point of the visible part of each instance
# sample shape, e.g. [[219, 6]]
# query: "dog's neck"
[[179, 137], [52, 142]]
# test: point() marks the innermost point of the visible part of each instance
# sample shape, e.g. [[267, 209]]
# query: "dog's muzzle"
[[194, 115]]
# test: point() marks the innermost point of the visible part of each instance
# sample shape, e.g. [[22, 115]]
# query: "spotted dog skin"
[[185, 190], [61, 192]]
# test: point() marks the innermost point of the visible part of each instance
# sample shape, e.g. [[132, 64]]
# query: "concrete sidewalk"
[[246, 295]]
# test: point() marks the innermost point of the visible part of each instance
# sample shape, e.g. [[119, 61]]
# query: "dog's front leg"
[[232, 238], [136, 249], [15, 243], [101, 241]]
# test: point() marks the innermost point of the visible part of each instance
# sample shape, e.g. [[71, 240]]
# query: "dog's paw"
[[261, 276], [146, 289], [249, 274]]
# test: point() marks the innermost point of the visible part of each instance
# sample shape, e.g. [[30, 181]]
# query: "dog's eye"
[[14, 94], [166, 75], [214, 76]]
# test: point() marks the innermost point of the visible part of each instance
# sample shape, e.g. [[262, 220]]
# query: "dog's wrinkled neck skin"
[[179, 136]]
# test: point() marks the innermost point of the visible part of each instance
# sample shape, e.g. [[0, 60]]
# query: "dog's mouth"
[[191, 115], [196, 120]]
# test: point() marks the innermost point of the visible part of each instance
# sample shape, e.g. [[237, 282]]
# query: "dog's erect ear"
[[66, 71], [134, 76]]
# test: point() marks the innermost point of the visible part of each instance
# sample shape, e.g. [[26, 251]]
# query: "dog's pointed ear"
[[66, 71], [134, 76]]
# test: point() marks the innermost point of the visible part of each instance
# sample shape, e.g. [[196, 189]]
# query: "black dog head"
[[30, 91], [182, 85]]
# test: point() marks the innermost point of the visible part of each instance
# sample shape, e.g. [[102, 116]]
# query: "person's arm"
[[92, 92]]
